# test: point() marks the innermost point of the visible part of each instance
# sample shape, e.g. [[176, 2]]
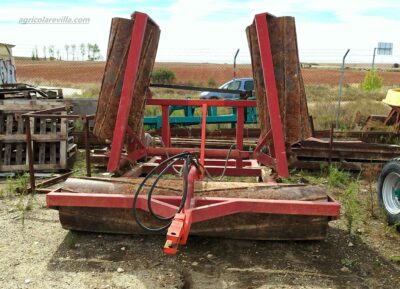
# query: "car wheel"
[[214, 97], [389, 191]]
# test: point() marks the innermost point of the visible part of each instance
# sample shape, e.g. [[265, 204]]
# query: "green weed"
[[24, 204], [351, 205], [390, 230], [70, 239], [78, 125], [395, 259], [349, 263], [15, 186], [370, 174], [337, 177], [303, 177]]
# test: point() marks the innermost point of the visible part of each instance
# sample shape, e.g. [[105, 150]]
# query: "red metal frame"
[[131, 71], [196, 209], [241, 162], [271, 95]]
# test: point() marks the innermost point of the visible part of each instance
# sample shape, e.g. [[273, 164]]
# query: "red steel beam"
[[214, 162], [200, 102], [239, 132], [165, 128], [210, 207], [271, 94], [125, 103], [203, 136], [215, 170], [209, 153]]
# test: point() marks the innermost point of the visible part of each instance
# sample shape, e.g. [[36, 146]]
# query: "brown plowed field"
[[76, 72]]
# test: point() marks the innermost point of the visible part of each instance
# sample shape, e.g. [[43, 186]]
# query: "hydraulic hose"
[[188, 160]]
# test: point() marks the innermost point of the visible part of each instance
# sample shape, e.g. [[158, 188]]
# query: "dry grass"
[[326, 93], [352, 114], [321, 86]]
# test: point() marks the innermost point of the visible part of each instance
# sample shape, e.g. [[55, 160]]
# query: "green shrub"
[[212, 82], [372, 81], [163, 76]]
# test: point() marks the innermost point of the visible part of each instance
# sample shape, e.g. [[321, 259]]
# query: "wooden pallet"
[[53, 144]]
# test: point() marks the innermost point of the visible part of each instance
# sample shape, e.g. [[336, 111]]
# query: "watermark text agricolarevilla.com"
[[54, 20]]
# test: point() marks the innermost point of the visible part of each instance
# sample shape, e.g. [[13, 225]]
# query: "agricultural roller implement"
[[193, 199]]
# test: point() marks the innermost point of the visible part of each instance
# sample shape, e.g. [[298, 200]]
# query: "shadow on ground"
[[226, 263]]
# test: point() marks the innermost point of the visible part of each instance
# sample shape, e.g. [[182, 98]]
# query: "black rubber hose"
[[134, 211], [153, 186]]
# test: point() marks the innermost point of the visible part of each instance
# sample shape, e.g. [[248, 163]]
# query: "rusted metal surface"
[[240, 226], [344, 151], [118, 48], [49, 182], [382, 137], [390, 123], [289, 81], [87, 147]]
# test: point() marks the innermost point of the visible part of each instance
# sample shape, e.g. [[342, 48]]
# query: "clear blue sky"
[[211, 31]]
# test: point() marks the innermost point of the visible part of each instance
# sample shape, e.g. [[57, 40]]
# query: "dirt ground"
[[77, 72], [35, 252]]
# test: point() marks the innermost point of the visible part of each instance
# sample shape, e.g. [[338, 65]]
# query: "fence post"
[[341, 87]]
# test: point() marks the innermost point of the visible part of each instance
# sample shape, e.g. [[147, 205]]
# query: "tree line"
[[72, 52]]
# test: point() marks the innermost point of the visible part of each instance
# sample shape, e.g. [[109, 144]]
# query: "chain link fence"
[[321, 78]]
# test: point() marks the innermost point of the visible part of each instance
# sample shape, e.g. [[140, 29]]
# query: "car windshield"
[[231, 85]]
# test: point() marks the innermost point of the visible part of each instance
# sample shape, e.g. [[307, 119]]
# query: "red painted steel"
[[165, 129], [192, 177], [203, 136], [174, 234], [239, 132], [125, 104], [266, 159], [200, 102], [198, 209], [239, 128], [213, 162], [209, 153], [262, 141], [271, 94], [203, 208], [136, 155], [216, 170]]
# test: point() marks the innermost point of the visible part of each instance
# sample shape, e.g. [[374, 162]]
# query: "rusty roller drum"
[[113, 78], [237, 226]]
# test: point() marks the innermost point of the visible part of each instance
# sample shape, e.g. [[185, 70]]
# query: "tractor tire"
[[389, 191]]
